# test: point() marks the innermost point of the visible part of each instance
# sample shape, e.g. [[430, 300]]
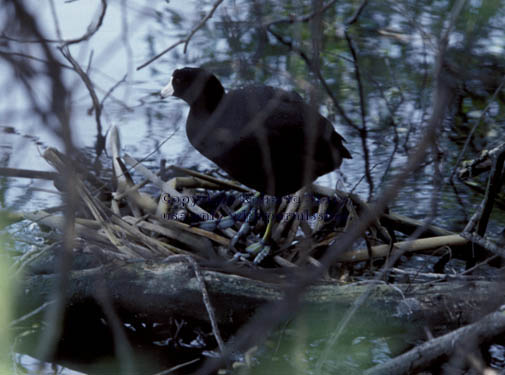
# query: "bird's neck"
[[199, 125], [209, 99]]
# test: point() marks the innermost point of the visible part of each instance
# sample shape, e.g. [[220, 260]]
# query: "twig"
[[55, 19], [179, 366], [27, 173], [91, 30], [357, 13], [127, 45], [434, 276], [97, 106], [424, 355], [29, 256], [30, 314], [187, 39], [113, 87], [472, 223], [485, 243], [363, 131], [477, 123], [160, 54], [494, 184], [480, 164], [123, 178], [200, 25], [320, 77], [485, 261], [158, 146], [205, 297], [301, 19]]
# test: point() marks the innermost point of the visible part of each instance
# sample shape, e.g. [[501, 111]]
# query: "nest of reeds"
[[196, 214], [133, 214]]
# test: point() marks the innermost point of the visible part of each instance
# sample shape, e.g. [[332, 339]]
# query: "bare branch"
[[474, 127], [424, 355], [185, 40], [92, 29], [97, 106], [357, 13], [302, 19], [363, 130], [323, 82]]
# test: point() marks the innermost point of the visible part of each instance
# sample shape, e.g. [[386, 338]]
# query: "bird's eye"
[[176, 80]]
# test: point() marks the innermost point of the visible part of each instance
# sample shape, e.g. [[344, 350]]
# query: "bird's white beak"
[[168, 90]]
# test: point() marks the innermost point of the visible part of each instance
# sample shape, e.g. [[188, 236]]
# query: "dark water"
[[396, 44]]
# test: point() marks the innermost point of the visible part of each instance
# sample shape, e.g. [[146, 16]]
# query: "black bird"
[[266, 138]]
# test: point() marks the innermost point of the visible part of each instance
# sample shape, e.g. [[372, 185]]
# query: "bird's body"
[[266, 138]]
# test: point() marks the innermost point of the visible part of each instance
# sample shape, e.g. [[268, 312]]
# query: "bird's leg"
[[243, 231], [262, 248], [252, 207], [245, 228]]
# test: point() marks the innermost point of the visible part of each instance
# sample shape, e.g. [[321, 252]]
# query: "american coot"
[[266, 138]]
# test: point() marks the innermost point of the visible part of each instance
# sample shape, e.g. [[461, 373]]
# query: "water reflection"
[[396, 44], [30, 365]]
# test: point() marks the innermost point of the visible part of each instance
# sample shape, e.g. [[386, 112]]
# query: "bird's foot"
[[227, 221], [211, 225], [261, 249], [245, 228], [240, 256]]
